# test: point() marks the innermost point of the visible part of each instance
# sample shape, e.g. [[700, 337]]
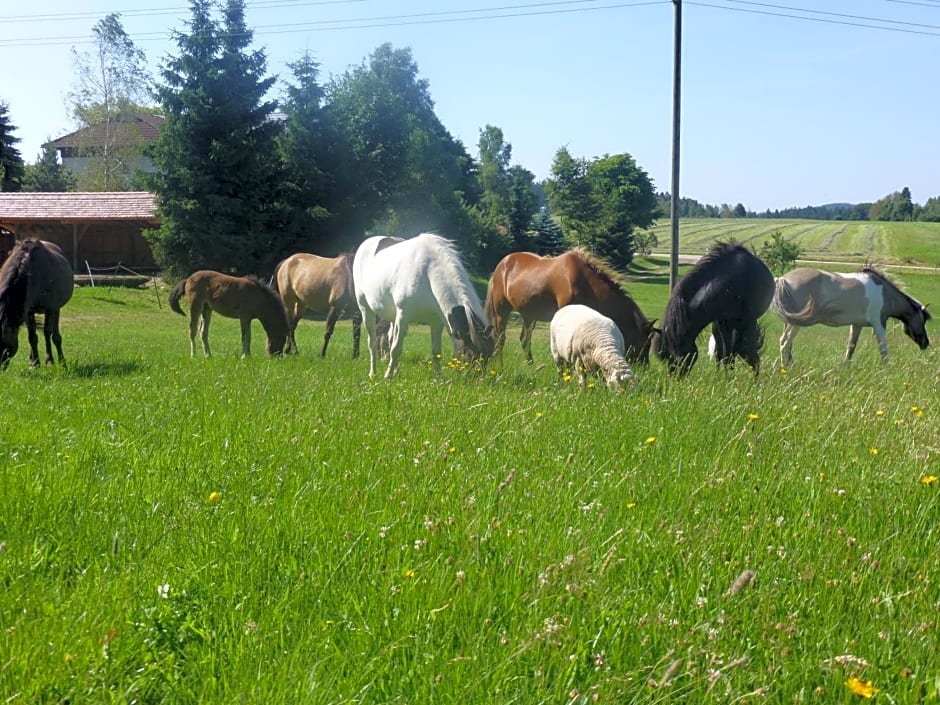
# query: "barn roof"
[[76, 207]]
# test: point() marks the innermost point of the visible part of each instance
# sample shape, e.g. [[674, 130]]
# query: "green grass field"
[[177, 530], [820, 240]]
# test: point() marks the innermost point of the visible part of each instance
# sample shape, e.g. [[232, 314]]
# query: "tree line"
[[897, 206]]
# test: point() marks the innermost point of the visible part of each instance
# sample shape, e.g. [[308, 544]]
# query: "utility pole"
[[676, 95]]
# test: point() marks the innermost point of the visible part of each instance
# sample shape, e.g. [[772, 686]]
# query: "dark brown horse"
[[538, 286], [36, 278], [729, 288], [321, 284], [244, 298]]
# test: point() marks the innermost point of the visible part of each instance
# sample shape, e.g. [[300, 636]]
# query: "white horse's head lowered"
[[421, 280]]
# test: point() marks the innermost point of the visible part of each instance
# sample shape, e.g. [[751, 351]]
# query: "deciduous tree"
[[113, 86]]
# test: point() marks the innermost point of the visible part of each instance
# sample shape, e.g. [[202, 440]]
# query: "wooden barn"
[[93, 229]]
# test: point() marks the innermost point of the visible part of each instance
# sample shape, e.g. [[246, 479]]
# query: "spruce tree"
[[11, 161], [47, 174], [216, 159], [303, 144]]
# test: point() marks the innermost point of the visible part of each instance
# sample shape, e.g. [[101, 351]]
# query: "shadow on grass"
[[117, 368]]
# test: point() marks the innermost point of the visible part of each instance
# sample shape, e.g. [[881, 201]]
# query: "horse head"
[[9, 344], [472, 338], [915, 326]]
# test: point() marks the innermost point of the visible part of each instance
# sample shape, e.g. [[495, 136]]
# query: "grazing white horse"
[[805, 297], [421, 280]]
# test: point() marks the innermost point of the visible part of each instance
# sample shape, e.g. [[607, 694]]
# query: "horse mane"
[[886, 280], [461, 278], [602, 268], [13, 280]]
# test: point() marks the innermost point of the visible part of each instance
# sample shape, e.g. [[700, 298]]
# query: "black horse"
[[729, 288], [36, 278]]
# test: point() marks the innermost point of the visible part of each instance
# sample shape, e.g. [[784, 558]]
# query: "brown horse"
[[244, 298], [538, 286], [36, 278], [321, 284]]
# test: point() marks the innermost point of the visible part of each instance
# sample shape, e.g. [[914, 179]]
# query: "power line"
[[157, 11], [441, 17], [834, 14], [815, 19]]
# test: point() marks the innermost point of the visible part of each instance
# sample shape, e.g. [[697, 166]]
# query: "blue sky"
[[776, 111]]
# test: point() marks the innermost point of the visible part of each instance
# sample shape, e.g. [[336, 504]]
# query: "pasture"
[[177, 530], [822, 240]]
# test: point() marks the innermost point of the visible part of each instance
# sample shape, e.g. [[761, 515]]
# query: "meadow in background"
[[176, 530]]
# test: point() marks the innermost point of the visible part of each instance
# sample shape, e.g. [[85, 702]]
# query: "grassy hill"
[[824, 240]]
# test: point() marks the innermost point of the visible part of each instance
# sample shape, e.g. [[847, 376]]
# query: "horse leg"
[[396, 342], [51, 330], [204, 332], [437, 332], [368, 318], [786, 344], [882, 340], [246, 337], [525, 337], [357, 332], [854, 332], [33, 340], [330, 325]]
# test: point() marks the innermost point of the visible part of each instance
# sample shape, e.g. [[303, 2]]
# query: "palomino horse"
[[729, 288], [538, 286], [36, 278], [806, 296], [244, 298], [421, 280], [321, 284]]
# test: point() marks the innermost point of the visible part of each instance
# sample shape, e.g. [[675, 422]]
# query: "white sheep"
[[583, 339]]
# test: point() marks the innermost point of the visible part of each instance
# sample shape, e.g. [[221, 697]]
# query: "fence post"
[[90, 277]]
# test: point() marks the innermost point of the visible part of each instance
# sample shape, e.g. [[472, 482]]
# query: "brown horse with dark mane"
[[538, 286], [244, 298], [36, 278], [321, 284]]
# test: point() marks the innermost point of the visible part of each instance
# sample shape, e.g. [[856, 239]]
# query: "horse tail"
[[175, 296], [785, 306], [272, 282], [489, 308]]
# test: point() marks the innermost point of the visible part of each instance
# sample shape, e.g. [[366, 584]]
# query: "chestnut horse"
[[321, 284], [36, 278], [244, 298], [538, 286]]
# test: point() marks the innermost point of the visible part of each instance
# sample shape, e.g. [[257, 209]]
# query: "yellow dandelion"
[[880, 412], [863, 689], [783, 370], [917, 411], [650, 439], [409, 573], [538, 414], [214, 497], [452, 450], [873, 451], [928, 479], [567, 377], [752, 417], [631, 505]]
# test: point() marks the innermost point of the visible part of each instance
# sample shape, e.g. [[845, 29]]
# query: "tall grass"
[[180, 530]]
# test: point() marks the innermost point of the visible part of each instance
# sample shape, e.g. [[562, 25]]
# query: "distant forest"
[[897, 206]]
